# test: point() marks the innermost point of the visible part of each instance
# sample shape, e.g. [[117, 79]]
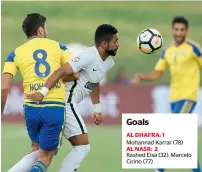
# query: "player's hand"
[[138, 77], [96, 118], [35, 97]]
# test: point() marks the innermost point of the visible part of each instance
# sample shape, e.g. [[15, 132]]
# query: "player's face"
[[179, 32], [112, 46]]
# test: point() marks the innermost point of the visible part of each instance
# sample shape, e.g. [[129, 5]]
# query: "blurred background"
[[74, 24]]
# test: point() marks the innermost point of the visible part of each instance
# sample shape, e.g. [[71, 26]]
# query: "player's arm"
[[5, 85], [157, 73], [64, 71], [69, 68], [95, 98], [7, 76], [71, 77], [95, 94], [152, 76]]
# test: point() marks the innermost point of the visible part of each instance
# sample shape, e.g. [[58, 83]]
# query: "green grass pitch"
[[105, 155]]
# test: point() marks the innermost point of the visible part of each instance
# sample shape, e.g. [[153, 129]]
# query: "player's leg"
[[186, 106], [25, 163], [78, 153], [52, 124], [75, 131], [28, 160]]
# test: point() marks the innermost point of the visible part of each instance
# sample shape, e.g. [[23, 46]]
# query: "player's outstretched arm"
[[158, 71], [5, 85], [66, 70], [95, 97], [152, 76]]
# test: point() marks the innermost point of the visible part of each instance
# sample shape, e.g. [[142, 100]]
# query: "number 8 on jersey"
[[41, 61]]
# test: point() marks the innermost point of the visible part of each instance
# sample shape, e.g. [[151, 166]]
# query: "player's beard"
[[111, 52]]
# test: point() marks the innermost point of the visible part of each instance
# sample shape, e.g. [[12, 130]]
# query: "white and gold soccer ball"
[[149, 41]]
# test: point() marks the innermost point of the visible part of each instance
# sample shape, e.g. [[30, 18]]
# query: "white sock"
[[25, 164], [74, 158]]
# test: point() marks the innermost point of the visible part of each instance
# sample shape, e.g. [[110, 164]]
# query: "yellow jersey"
[[184, 63], [36, 60]]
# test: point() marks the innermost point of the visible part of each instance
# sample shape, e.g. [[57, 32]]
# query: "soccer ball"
[[149, 41]]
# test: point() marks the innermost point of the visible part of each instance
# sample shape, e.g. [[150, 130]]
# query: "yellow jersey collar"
[[33, 37], [183, 43]]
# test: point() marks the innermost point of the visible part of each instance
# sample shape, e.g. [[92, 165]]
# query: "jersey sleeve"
[[162, 64], [198, 54], [80, 62], [10, 66], [200, 61], [65, 54]]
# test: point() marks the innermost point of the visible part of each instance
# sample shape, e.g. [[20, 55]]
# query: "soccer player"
[[184, 59], [92, 65], [37, 59]]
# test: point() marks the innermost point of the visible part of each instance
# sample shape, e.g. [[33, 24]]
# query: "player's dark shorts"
[[45, 123], [183, 106]]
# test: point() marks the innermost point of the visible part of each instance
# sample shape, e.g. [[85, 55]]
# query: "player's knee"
[[87, 148], [34, 147], [79, 140]]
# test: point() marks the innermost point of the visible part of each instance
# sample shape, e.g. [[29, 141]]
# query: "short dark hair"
[[180, 19], [32, 22], [104, 32]]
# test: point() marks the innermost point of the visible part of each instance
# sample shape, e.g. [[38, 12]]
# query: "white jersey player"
[[92, 70], [92, 65]]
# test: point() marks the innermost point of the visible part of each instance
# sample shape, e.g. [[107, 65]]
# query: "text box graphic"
[[159, 141]]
